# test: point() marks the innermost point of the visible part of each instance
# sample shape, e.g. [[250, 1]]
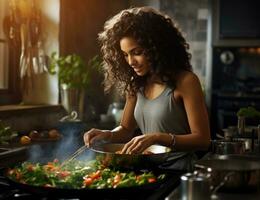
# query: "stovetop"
[[221, 195], [9, 191]]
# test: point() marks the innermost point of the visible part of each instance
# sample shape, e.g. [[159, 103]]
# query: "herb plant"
[[6, 134], [72, 70]]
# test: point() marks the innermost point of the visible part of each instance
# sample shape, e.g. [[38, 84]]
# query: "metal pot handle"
[[223, 182], [216, 188]]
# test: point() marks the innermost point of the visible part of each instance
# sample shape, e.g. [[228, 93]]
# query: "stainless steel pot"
[[224, 147], [106, 153], [232, 172], [195, 187]]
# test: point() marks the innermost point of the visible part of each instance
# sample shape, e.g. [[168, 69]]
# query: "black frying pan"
[[136, 191]]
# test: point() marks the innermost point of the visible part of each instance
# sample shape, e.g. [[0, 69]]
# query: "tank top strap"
[[168, 91]]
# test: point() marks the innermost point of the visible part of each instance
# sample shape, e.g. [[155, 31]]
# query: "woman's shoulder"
[[187, 83], [186, 78]]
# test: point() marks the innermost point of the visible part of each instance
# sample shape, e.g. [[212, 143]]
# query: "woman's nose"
[[131, 60]]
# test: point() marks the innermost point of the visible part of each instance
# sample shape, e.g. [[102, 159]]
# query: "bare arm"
[[191, 93], [124, 132]]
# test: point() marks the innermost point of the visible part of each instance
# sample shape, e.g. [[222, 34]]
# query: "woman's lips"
[[137, 69]]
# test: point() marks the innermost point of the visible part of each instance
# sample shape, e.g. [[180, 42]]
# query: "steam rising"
[[72, 140]]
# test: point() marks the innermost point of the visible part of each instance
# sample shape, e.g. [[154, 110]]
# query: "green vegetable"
[[77, 174], [249, 112], [6, 134]]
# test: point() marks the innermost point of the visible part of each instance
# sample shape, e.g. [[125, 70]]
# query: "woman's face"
[[134, 55]]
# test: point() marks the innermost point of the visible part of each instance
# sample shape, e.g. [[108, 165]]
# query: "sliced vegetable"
[[77, 175]]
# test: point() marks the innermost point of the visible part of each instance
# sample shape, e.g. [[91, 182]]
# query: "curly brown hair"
[[164, 46]]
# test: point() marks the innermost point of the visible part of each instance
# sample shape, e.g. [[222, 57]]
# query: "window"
[[9, 59], [3, 50]]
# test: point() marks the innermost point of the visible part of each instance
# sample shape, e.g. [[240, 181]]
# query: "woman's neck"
[[154, 79]]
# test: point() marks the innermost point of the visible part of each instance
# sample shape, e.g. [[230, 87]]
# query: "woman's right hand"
[[95, 135]]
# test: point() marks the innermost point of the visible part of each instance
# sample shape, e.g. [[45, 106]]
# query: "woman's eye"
[[138, 52]]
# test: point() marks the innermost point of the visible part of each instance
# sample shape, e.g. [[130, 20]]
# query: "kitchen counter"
[[176, 195], [241, 194]]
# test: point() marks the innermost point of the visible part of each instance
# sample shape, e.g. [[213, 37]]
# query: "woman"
[[146, 58]]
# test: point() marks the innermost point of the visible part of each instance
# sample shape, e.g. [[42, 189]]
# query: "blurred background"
[[224, 38]]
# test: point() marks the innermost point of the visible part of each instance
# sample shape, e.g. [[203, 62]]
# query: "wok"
[[106, 154], [125, 192], [142, 191], [232, 172]]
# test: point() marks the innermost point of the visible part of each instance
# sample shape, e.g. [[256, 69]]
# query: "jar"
[[195, 187]]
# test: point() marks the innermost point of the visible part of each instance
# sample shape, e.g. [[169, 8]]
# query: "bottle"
[[241, 124]]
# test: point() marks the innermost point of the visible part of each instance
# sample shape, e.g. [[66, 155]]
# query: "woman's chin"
[[140, 73]]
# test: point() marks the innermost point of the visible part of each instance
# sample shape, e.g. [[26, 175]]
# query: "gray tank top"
[[164, 114]]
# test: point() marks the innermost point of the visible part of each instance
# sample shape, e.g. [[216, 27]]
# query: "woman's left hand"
[[138, 144]]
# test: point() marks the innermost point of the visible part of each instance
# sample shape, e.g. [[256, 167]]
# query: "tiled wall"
[[191, 17]]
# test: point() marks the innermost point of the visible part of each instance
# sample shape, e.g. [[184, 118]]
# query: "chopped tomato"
[[95, 175], [138, 177], [50, 167], [30, 168], [117, 179], [151, 180], [87, 181], [63, 174], [18, 175]]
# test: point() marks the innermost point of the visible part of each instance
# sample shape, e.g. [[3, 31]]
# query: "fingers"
[[135, 146], [89, 136], [95, 135]]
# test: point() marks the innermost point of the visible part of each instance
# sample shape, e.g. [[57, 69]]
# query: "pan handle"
[[222, 183], [3, 181]]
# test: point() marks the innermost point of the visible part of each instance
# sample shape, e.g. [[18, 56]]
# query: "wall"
[[3, 50], [191, 16], [45, 86], [81, 21], [151, 3]]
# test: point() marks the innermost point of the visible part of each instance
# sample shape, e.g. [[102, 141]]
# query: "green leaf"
[[250, 112], [72, 70]]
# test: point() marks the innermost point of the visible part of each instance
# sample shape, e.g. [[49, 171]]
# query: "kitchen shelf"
[[8, 110]]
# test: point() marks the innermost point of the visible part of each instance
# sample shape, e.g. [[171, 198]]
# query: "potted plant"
[[74, 78]]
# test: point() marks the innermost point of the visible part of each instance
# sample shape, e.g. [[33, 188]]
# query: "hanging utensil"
[[23, 56], [11, 25]]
